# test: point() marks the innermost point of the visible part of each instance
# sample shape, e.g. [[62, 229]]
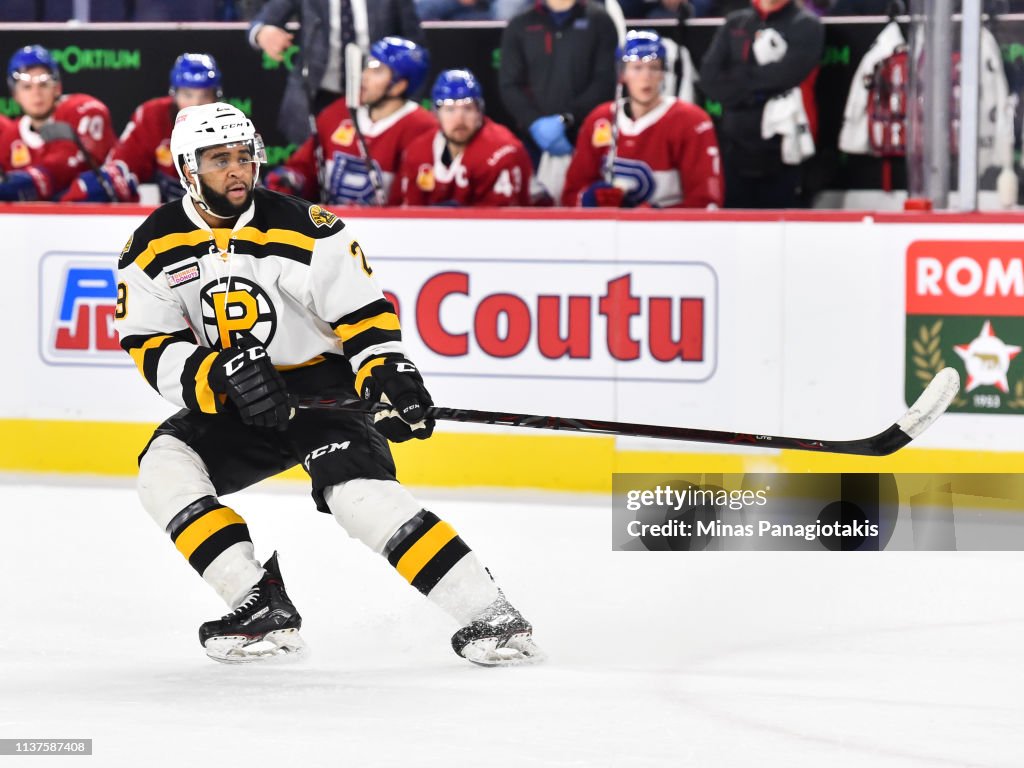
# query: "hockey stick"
[[64, 132], [614, 10], [318, 158], [922, 414], [353, 83]]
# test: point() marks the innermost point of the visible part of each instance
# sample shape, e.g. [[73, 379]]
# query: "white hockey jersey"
[[289, 274]]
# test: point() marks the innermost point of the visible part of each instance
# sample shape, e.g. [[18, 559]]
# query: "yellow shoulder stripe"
[[285, 236], [167, 242]]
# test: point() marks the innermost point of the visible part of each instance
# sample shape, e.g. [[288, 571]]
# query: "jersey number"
[[509, 184], [357, 252], [91, 127], [121, 310]]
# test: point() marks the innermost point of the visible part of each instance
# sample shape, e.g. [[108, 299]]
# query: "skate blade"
[[278, 645], [517, 651]]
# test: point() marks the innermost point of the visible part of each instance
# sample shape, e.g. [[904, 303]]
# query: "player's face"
[[193, 97], [375, 82], [643, 80], [460, 120], [226, 176], [36, 91]]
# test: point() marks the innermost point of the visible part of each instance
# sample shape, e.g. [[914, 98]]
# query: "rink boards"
[[813, 325]]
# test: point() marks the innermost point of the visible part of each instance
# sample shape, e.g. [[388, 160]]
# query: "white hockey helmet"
[[211, 125]]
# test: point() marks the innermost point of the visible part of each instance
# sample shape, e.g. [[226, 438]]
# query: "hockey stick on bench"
[[926, 409]]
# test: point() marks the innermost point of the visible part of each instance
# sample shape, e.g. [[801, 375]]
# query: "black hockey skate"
[[266, 624], [498, 637]]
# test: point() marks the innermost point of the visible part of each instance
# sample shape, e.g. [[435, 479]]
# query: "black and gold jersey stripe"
[[195, 382], [169, 237], [147, 350], [376, 323]]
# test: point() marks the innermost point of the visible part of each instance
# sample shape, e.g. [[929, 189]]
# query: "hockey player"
[[666, 154], [389, 121], [231, 298], [143, 153], [36, 169], [469, 160]]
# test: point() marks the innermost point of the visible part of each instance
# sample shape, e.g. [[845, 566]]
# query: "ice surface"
[[669, 659]]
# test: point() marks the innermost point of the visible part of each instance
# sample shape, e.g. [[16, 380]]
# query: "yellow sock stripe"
[[139, 353], [385, 321], [204, 395], [422, 551], [364, 371], [204, 527]]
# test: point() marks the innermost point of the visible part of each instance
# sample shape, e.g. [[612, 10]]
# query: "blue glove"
[[562, 146], [18, 185], [601, 194], [546, 131], [89, 186]]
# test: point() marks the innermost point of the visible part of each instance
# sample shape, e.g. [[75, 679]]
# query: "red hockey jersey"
[[493, 170], [145, 146], [346, 177], [667, 158], [54, 165]]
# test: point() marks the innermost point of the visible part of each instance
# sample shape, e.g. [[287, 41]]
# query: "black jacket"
[[731, 75], [551, 71], [384, 17]]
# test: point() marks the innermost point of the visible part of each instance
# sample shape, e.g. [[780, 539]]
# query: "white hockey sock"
[[425, 550]]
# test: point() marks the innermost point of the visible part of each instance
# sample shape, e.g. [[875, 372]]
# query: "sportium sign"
[[965, 308]]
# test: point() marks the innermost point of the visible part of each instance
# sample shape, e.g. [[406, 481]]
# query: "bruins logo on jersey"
[[321, 217], [425, 178], [20, 154], [602, 136], [122, 260], [344, 134], [246, 308]]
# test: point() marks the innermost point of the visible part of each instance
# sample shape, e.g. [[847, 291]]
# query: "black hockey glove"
[[252, 383], [396, 382]]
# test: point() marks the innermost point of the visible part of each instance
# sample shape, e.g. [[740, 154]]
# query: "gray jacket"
[[384, 17]]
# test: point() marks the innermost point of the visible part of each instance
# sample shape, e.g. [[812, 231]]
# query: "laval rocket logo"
[[965, 308]]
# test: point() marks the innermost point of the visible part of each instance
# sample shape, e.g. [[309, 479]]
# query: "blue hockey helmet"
[[641, 45], [28, 57], [406, 60], [195, 70], [456, 85]]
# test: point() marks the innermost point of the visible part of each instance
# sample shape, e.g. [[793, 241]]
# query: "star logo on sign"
[[987, 359]]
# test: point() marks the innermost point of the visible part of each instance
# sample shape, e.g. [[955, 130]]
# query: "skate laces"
[[249, 601]]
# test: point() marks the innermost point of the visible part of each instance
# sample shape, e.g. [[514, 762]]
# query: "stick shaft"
[[885, 442]]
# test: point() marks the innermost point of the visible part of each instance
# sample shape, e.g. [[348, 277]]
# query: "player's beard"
[[219, 204]]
